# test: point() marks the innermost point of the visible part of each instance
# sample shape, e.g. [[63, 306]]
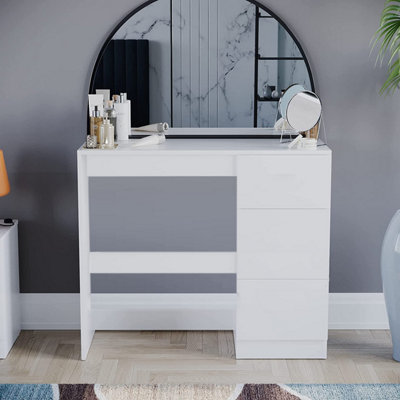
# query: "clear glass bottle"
[[107, 135], [91, 142], [112, 116]]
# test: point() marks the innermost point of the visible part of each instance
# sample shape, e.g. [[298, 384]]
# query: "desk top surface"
[[207, 146]]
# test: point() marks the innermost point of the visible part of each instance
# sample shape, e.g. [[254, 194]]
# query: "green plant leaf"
[[387, 40]]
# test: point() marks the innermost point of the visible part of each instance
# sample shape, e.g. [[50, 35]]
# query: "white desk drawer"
[[160, 165], [282, 310], [283, 244], [295, 181]]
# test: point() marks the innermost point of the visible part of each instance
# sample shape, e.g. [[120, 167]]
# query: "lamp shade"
[[4, 184]]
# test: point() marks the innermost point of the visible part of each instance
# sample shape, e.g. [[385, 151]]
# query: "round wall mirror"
[[220, 63]]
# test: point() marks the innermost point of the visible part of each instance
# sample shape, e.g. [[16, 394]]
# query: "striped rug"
[[200, 392]]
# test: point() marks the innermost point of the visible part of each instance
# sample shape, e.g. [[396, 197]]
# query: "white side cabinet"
[[283, 226], [10, 315]]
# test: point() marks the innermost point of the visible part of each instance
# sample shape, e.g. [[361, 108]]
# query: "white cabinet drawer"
[[283, 244], [160, 165], [282, 310], [293, 181]]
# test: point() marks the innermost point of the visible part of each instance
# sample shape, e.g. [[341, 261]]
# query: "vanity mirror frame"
[[257, 58]]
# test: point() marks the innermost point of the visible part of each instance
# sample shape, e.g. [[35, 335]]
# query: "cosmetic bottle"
[[96, 100], [91, 142], [106, 95], [107, 134], [112, 116], [156, 138], [123, 108], [95, 122], [125, 97]]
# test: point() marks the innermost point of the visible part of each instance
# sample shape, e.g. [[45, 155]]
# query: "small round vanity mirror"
[[287, 96], [303, 111]]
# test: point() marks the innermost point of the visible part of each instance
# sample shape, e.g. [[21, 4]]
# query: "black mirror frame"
[[257, 4]]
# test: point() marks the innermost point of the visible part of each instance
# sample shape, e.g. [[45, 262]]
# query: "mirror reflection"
[[221, 63]]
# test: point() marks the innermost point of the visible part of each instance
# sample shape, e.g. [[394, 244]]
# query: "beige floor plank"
[[45, 357], [368, 373], [181, 357], [210, 343], [88, 371], [303, 371], [226, 345], [330, 371], [279, 370], [179, 338], [63, 364], [108, 372], [194, 341], [125, 372], [349, 370], [163, 335], [388, 375]]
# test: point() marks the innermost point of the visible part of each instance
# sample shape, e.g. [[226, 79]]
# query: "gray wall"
[[47, 51]]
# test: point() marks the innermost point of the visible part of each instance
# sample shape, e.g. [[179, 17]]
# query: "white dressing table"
[[280, 253]]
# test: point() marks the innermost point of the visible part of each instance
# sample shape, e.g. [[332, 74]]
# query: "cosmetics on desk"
[[156, 138], [95, 122], [122, 107], [160, 127], [91, 142], [96, 100], [117, 119], [111, 114], [106, 95], [106, 135]]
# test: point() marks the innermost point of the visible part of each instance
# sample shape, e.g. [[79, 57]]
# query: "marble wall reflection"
[[213, 62], [153, 23], [211, 83]]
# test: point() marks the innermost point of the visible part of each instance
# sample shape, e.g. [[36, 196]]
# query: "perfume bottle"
[[95, 122], [106, 134], [111, 114]]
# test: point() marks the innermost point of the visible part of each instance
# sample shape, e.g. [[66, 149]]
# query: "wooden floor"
[[177, 357]]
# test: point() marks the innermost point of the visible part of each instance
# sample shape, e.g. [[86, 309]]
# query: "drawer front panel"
[[282, 310], [283, 244], [294, 181], [131, 165]]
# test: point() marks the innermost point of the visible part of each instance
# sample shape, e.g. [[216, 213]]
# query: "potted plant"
[[388, 38]]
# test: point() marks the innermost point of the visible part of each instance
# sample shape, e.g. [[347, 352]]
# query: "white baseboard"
[[357, 311], [183, 311], [50, 311], [131, 311]]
